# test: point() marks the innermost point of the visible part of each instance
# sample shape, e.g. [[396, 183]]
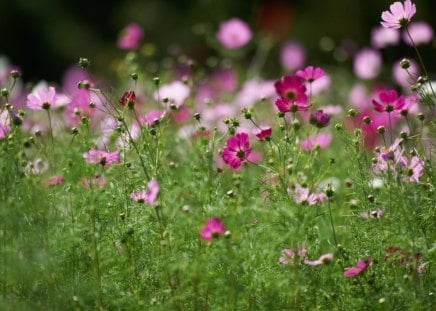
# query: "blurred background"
[[44, 37]]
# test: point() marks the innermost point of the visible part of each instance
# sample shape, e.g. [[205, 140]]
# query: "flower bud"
[[197, 116], [351, 112], [367, 120], [381, 130], [15, 74], [134, 76], [405, 63], [421, 117], [4, 92], [84, 62], [156, 81]]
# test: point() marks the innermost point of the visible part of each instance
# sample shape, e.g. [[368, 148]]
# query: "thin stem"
[[331, 223]]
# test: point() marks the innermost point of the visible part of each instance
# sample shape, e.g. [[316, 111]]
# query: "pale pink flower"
[[322, 140], [42, 98], [323, 259], [176, 92], [213, 228], [414, 170], [361, 266], [382, 37], [302, 195], [331, 109], [310, 73], [79, 107], [321, 84], [151, 117], [421, 33], [367, 63], [378, 213], [53, 181], [253, 91], [234, 33], [399, 15], [237, 150], [94, 181], [288, 256], [101, 157], [292, 56], [147, 196], [5, 124], [130, 37]]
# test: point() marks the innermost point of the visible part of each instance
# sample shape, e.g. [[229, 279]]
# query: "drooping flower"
[[128, 98], [264, 133], [130, 37], [323, 259], [41, 98], [421, 33], [213, 228], [147, 196], [101, 157], [310, 73], [234, 33], [399, 15], [319, 119], [367, 63], [292, 56], [388, 101], [361, 266], [237, 150]]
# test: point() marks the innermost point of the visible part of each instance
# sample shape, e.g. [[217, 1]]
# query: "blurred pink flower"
[[310, 73], [176, 92], [319, 119], [389, 101], [373, 214], [361, 266], [234, 33], [5, 126], [213, 228], [323, 259], [292, 56], [302, 195], [128, 98], [79, 107], [147, 196], [237, 150], [421, 33], [94, 181], [151, 117], [399, 14], [414, 170], [130, 37], [321, 84], [405, 78], [289, 256], [101, 157], [367, 64], [53, 181], [322, 140], [382, 37]]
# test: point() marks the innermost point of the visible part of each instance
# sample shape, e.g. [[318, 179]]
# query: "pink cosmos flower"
[[367, 64], [291, 88], [151, 117], [101, 157], [322, 140], [302, 195], [237, 150], [41, 98], [264, 133], [130, 37], [292, 56], [323, 259], [361, 266], [234, 33], [389, 101], [378, 213], [414, 170], [399, 15], [213, 228], [128, 98], [310, 73], [289, 256], [390, 158], [148, 196], [79, 107], [382, 37], [176, 92], [421, 33]]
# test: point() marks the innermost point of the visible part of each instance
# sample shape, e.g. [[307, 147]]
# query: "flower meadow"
[[209, 186]]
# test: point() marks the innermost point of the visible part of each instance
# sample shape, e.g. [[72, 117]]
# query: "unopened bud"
[[381, 130], [405, 63], [134, 76], [156, 81], [351, 112], [84, 62], [367, 120]]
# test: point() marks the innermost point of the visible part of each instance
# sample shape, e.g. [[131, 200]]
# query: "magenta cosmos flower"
[[237, 150], [264, 133], [234, 33], [361, 266], [147, 196], [101, 157], [130, 37], [213, 228], [319, 119], [292, 92], [310, 73], [399, 14], [388, 101], [41, 98]]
